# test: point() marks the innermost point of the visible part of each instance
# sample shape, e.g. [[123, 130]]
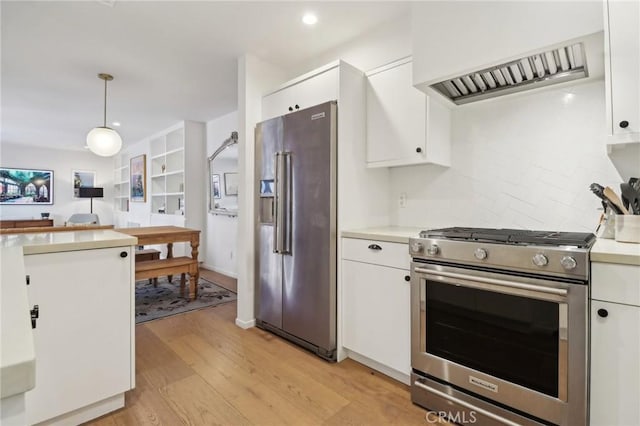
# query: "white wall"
[[382, 45], [221, 232], [255, 77], [62, 162], [524, 162]]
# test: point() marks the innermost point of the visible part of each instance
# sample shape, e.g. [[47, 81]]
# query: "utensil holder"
[[607, 227], [627, 228]]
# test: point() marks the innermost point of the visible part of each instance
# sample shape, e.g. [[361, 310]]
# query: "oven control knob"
[[417, 247], [433, 250], [568, 262], [480, 254], [540, 259]]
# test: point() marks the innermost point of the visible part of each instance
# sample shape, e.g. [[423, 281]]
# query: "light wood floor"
[[220, 279], [199, 368]]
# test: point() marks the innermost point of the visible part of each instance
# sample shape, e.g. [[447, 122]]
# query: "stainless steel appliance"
[[296, 231], [499, 325]]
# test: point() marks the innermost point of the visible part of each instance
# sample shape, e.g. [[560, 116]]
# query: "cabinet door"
[[624, 45], [314, 90], [83, 336], [615, 370], [396, 116], [376, 313], [404, 126]]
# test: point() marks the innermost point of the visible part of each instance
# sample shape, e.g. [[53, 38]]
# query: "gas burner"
[[513, 236]]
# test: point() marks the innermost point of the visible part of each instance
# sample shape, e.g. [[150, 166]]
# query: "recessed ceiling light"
[[116, 123], [310, 18]]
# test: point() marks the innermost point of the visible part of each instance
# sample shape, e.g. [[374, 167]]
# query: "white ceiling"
[[171, 60]]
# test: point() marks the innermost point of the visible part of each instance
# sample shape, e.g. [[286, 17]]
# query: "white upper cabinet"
[[622, 70], [453, 38], [308, 90], [404, 126]]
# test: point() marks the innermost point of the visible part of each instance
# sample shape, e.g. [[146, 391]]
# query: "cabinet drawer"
[[615, 283], [395, 255]]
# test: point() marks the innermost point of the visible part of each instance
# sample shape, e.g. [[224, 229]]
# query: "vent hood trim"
[[542, 69]]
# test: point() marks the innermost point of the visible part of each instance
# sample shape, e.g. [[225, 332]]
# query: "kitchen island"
[[17, 355], [82, 283]]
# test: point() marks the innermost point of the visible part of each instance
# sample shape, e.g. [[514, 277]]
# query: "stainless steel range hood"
[[554, 66]]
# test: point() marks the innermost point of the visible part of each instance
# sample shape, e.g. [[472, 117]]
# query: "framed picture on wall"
[[82, 179], [138, 178], [230, 184], [215, 186], [25, 186]]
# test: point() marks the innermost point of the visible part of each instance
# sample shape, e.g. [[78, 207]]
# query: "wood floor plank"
[[238, 345], [156, 363], [240, 388], [147, 408], [222, 280], [197, 403], [199, 368]]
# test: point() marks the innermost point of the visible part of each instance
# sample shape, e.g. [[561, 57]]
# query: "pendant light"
[[104, 141]]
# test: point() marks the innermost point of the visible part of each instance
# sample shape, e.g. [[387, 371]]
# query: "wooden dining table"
[[149, 235]]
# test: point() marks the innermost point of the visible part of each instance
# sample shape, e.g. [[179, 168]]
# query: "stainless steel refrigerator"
[[296, 168]]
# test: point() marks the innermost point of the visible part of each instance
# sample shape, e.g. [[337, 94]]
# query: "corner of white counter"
[[611, 251], [17, 352]]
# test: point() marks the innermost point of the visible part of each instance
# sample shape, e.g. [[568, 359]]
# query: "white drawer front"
[[395, 255], [615, 283]]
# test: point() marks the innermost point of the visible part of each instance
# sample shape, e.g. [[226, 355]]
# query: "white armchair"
[[83, 219]]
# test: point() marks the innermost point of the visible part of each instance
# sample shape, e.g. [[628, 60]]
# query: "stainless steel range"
[[499, 325]]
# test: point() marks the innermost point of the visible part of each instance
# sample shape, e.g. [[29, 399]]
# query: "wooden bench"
[[172, 266], [148, 254]]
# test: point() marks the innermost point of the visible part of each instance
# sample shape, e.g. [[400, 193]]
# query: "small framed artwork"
[[230, 184], [25, 186], [138, 178], [82, 179], [215, 186]]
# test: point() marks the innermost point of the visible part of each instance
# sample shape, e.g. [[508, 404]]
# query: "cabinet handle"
[[418, 150], [35, 314], [28, 277], [124, 254], [290, 108], [407, 278], [297, 106], [624, 124], [603, 313], [375, 247]]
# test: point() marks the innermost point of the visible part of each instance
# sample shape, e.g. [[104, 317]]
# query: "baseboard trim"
[[245, 324], [219, 270], [387, 371], [90, 412]]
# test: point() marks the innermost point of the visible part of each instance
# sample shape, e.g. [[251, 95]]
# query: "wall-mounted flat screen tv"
[[25, 186]]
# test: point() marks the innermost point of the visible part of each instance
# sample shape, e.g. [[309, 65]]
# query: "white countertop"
[[17, 354], [391, 234], [51, 242], [612, 251]]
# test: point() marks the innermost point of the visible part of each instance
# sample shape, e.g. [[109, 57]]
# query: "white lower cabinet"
[[84, 334], [615, 346], [376, 314]]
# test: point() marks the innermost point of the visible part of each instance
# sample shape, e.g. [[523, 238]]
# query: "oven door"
[[505, 337]]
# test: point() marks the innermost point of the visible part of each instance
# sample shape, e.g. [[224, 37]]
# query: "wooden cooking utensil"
[[615, 200]]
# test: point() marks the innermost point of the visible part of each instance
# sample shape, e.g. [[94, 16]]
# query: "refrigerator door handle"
[[277, 240], [285, 195]]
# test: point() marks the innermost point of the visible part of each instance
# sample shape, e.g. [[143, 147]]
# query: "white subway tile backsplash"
[[525, 162]]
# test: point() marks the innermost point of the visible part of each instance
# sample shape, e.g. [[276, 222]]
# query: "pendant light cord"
[[105, 102]]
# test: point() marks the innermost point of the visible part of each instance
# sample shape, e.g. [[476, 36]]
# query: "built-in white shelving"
[[121, 183]]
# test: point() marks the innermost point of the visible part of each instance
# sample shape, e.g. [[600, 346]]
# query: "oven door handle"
[[502, 283], [465, 404]]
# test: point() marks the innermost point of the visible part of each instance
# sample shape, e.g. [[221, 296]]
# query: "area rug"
[[164, 300]]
